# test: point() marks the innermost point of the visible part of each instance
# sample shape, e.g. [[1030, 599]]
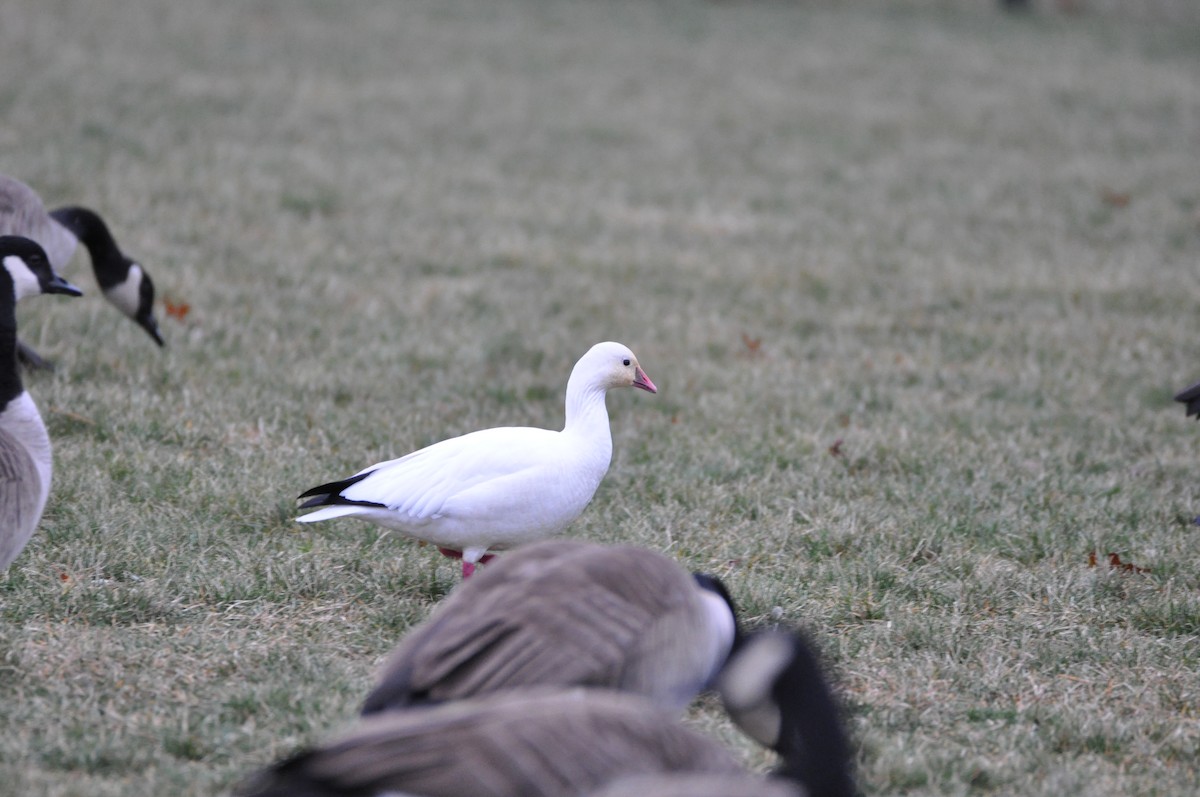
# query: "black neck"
[[107, 260], [10, 374], [812, 739]]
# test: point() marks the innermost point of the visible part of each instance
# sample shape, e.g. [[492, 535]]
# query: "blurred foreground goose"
[[125, 283], [567, 613], [1190, 398], [521, 743], [24, 444], [774, 689], [549, 742], [495, 488]]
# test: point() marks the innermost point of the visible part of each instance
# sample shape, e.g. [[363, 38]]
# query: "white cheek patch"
[[722, 623], [127, 295], [746, 683], [25, 282]]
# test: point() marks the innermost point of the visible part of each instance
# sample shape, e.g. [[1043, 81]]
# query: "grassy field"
[[916, 281]]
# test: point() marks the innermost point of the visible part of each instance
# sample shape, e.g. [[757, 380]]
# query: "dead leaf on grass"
[[177, 310], [1115, 563], [1116, 199]]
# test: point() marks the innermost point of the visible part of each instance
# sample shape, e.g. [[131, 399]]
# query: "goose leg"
[[31, 359]]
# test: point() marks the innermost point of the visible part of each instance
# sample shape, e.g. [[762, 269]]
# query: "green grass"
[[399, 222]]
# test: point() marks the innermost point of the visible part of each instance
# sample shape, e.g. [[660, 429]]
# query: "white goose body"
[[496, 488], [25, 462], [567, 613]]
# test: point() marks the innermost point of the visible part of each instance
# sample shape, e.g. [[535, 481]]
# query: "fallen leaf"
[[1117, 199], [177, 310], [1114, 561]]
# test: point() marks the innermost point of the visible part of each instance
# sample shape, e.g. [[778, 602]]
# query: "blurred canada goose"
[[495, 488], [520, 743], [774, 688], [692, 784], [24, 443], [567, 613], [124, 283], [1190, 397]]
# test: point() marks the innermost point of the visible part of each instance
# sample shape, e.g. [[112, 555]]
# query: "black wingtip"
[[330, 492]]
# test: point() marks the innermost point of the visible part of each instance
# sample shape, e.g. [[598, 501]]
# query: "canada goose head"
[[30, 270], [124, 282], [775, 689]]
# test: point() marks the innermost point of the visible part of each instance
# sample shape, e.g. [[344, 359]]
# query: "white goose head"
[[610, 365]]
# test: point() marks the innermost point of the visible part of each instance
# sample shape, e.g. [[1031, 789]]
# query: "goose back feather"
[[567, 612], [523, 743]]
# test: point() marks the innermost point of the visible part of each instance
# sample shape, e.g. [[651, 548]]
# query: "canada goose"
[[496, 488], [24, 443], [567, 613], [692, 784], [774, 689], [1190, 397], [124, 283], [520, 743]]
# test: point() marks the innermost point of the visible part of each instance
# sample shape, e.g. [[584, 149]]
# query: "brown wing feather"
[[560, 612], [523, 743]]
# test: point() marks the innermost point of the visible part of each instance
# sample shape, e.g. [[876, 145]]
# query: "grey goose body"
[[122, 280], [567, 613], [520, 743], [25, 463]]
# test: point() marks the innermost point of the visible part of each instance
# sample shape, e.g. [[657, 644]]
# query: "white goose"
[[24, 443], [567, 613], [124, 283], [496, 488]]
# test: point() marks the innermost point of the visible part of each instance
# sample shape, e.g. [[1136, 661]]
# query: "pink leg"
[[467, 567]]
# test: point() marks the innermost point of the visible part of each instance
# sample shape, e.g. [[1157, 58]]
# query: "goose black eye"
[[626, 361]]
